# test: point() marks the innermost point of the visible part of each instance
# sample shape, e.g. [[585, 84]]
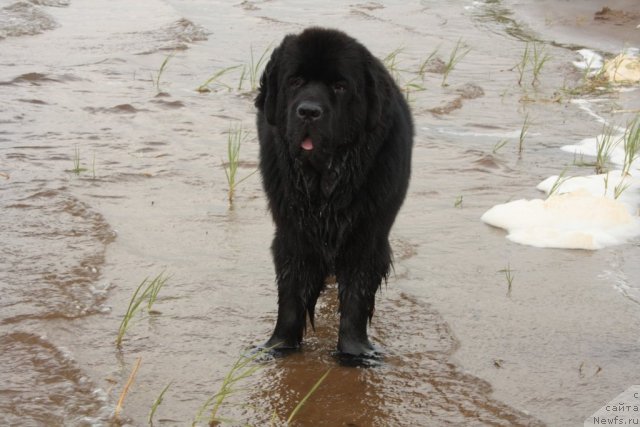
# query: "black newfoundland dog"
[[335, 156]]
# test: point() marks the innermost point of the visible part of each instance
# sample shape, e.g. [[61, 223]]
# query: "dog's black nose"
[[308, 110]]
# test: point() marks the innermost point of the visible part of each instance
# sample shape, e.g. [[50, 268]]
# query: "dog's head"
[[319, 91]]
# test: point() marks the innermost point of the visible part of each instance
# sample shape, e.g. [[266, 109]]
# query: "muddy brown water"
[[461, 349]]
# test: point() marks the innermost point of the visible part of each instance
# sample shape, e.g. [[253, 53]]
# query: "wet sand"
[[461, 348], [599, 24]]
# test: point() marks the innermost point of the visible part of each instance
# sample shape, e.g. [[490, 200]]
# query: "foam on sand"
[[590, 61], [576, 220], [588, 212], [624, 68], [581, 214]]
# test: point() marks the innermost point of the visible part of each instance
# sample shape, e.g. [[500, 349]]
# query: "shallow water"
[[461, 348]]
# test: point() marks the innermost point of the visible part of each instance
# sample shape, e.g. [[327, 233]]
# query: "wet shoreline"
[[151, 196], [607, 26]]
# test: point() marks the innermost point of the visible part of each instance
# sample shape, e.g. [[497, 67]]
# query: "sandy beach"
[[113, 148]]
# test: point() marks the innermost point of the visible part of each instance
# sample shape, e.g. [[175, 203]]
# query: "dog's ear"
[[374, 86], [268, 93]]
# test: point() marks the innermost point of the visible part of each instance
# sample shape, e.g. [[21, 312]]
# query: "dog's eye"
[[295, 82], [339, 87]]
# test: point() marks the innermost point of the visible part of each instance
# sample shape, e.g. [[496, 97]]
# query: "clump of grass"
[[536, 55], [620, 188], [254, 69], [523, 133], [591, 84], [424, 65], [458, 202], [214, 79], [157, 403], [147, 291], [508, 273], [412, 86], [631, 145], [392, 63], [588, 75], [459, 51], [154, 289], [539, 58], [243, 368], [522, 65], [235, 137], [163, 67], [605, 143], [558, 182], [415, 80], [77, 169], [593, 80]]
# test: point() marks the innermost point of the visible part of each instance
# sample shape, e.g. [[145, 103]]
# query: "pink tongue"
[[307, 144]]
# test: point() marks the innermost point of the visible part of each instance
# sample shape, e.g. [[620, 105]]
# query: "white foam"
[[624, 68], [583, 213], [575, 220], [616, 155], [611, 185], [591, 61], [588, 212], [589, 147]]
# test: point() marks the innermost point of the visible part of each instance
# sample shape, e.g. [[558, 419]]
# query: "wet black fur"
[[332, 206]]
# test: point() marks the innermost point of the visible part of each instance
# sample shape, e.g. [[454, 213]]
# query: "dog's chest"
[[324, 224]]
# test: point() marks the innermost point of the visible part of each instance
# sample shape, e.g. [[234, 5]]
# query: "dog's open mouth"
[[307, 144]]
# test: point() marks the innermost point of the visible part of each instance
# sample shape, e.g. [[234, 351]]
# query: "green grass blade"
[[134, 305], [558, 182], [146, 291], [454, 58], [307, 396], [204, 87], [523, 133], [154, 289], [163, 66], [157, 403], [631, 145]]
